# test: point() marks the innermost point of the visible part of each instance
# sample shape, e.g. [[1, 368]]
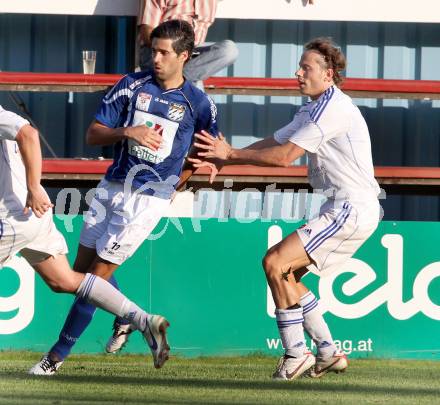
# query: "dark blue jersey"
[[176, 114]]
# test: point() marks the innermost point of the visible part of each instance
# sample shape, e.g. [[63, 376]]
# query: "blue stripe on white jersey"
[[322, 104], [330, 230]]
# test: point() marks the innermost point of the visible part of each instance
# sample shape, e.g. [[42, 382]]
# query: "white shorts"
[[116, 226], [336, 235], [35, 238]]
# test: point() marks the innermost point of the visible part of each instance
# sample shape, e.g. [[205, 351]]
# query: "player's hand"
[[38, 201], [213, 148], [203, 163], [145, 136]]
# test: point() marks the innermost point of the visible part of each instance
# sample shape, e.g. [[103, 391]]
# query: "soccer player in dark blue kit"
[[150, 117]]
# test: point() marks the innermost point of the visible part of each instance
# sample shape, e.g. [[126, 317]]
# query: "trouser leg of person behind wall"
[[209, 59], [145, 59], [79, 317]]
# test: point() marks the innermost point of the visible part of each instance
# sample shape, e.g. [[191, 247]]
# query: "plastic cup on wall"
[[89, 62]]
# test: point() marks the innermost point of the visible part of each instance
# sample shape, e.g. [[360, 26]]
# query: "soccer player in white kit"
[[26, 227], [332, 132]]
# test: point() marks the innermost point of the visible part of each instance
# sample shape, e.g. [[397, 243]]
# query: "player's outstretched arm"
[[29, 145], [263, 143], [218, 148], [99, 134]]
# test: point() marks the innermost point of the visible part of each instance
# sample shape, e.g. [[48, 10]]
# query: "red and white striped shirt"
[[199, 13]]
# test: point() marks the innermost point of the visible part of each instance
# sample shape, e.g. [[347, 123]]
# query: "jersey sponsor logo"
[[161, 100], [166, 128], [157, 127], [143, 101], [176, 112], [144, 153]]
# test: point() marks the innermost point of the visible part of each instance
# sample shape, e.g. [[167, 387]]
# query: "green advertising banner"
[[206, 277]]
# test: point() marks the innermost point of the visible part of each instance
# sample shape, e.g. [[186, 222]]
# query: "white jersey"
[[13, 190], [35, 238], [335, 136]]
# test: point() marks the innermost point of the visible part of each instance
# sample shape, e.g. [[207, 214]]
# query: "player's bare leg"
[[279, 265], [58, 275]]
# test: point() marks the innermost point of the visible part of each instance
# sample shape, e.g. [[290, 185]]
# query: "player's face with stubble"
[[312, 77], [168, 65]]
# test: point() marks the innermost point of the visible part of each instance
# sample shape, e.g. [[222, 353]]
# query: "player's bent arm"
[[29, 145], [99, 134]]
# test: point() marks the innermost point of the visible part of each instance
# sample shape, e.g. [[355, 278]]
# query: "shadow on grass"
[[325, 385], [86, 399]]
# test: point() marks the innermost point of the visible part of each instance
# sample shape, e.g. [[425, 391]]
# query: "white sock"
[[316, 326], [290, 326], [99, 292]]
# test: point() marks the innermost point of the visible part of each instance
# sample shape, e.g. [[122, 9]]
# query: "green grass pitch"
[[131, 379]]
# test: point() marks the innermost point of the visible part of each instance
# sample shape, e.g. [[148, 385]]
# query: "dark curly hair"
[[179, 31], [331, 54]]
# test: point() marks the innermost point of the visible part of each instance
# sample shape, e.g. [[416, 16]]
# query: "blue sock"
[[79, 317], [118, 319]]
